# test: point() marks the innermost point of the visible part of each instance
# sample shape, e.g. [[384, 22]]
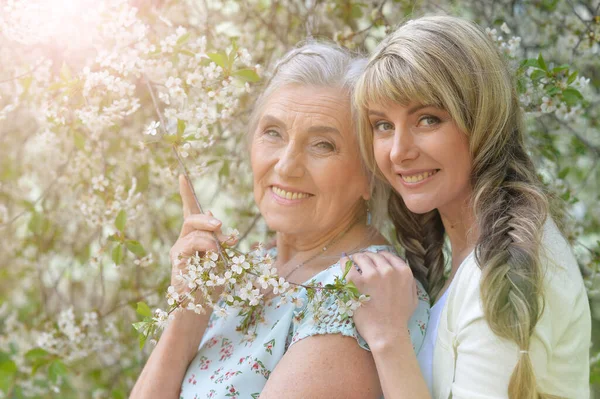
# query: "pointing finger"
[[187, 197]]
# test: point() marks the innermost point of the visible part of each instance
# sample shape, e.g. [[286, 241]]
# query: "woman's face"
[[423, 155], [308, 176]]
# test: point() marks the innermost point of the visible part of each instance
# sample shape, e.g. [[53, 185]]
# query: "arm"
[[164, 371], [324, 366], [383, 322], [398, 369]]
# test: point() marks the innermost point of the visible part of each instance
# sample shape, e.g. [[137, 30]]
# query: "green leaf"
[[530, 62], [183, 39], [8, 370], [140, 326], [187, 52], [79, 140], [247, 75], [180, 127], [572, 77], [56, 370], [552, 90], [542, 63], [538, 74], [353, 288], [114, 238], [224, 171], [135, 247], [563, 173], [35, 223], [118, 394], [36, 353], [121, 220], [118, 254], [142, 340], [219, 59], [560, 68], [347, 269], [143, 309], [571, 96], [356, 11]]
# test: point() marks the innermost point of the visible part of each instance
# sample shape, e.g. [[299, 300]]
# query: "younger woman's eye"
[[428, 120], [383, 126]]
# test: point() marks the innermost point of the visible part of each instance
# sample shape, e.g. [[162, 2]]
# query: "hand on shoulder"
[[389, 282]]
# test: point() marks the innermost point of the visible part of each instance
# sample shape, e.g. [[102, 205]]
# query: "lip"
[[285, 201], [413, 172]]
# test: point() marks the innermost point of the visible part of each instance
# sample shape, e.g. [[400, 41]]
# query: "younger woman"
[[441, 123]]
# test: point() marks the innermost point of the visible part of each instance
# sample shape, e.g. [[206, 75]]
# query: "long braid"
[[511, 208], [422, 237]]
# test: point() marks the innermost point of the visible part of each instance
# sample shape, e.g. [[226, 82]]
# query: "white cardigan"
[[470, 361]]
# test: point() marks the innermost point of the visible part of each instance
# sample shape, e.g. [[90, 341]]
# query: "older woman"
[[441, 124], [312, 189]]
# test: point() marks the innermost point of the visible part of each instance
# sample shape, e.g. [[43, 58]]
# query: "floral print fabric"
[[231, 364]]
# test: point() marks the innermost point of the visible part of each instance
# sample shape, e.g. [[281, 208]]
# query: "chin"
[[419, 208]]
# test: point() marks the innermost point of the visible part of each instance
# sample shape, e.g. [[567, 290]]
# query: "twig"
[[24, 74], [182, 165]]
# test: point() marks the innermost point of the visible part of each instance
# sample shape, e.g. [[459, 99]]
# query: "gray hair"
[[324, 65]]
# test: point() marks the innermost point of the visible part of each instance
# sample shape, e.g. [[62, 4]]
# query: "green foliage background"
[[89, 205]]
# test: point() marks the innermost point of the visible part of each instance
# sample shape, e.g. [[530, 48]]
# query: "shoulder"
[[565, 312], [328, 275]]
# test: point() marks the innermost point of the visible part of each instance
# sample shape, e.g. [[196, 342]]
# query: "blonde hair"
[[450, 63]]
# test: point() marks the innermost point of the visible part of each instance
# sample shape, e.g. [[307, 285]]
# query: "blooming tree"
[[94, 97]]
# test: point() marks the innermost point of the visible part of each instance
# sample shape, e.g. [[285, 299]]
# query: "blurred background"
[[94, 94]]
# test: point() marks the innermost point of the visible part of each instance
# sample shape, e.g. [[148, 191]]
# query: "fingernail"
[[214, 222]]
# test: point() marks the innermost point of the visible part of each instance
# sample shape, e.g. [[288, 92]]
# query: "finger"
[[200, 222], [355, 272], [206, 236], [365, 263], [381, 264], [187, 197], [396, 261], [191, 245]]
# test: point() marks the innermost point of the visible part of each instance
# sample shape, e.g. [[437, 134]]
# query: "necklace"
[[323, 250]]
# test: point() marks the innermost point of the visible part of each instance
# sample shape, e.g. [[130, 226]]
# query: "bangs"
[[391, 78]]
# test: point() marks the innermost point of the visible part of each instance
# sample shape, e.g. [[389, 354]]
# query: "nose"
[[289, 163], [403, 146]]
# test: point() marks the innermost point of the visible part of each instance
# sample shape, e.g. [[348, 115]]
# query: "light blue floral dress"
[[231, 364]]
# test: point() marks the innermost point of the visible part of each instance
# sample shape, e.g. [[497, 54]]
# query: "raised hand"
[[196, 235]]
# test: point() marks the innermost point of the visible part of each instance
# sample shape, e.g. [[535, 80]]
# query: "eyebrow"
[[323, 129], [411, 110], [270, 119]]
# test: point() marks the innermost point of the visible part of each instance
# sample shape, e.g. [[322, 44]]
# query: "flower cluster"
[[239, 282]]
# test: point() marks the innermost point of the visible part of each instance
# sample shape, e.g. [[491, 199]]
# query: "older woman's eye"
[[325, 145], [383, 126], [428, 120], [271, 133]]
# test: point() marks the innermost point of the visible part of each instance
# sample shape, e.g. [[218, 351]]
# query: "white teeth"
[[288, 194], [419, 177]]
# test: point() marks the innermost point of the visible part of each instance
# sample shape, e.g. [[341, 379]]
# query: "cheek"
[[381, 152]]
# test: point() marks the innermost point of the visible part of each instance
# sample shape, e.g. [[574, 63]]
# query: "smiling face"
[[423, 155], [308, 177]]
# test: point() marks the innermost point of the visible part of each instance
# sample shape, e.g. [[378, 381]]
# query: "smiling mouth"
[[418, 177], [290, 195]]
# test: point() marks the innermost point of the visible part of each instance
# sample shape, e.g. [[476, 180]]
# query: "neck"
[[342, 237], [462, 232]]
